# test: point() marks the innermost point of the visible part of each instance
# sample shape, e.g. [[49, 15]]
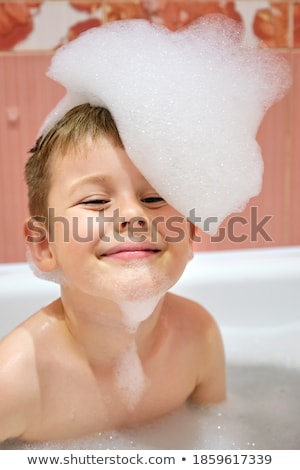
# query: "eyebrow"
[[90, 179]]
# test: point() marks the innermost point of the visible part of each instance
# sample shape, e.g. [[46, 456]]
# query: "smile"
[[130, 251]]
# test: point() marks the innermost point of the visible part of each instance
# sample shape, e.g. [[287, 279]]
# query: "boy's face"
[[111, 235]]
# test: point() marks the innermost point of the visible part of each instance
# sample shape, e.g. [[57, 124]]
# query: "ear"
[[36, 238], [192, 237]]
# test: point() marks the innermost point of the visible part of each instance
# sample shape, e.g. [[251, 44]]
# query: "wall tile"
[[296, 23], [294, 163], [26, 96]]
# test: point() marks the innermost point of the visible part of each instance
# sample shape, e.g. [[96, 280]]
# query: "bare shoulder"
[[198, 328], [191, 314], [19, 375], [194, 324], [18, 383]]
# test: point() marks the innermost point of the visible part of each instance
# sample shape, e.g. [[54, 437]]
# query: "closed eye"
[[153, 201], [95, 201], [96, 204]]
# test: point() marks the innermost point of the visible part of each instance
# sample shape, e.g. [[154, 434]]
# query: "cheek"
[[85, 230], [175, 229], [70, 242], [94, 228], [75, 229], [178, 237]]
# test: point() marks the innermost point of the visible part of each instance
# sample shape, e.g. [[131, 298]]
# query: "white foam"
[[130, 377], [135, 312], [138, 291], [187, 105], [136, 284], [52, 276]]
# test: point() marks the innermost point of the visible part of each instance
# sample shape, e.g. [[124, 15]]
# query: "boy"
[[116, 349]]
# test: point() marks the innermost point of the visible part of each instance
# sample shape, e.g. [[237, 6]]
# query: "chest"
[[76, 401]]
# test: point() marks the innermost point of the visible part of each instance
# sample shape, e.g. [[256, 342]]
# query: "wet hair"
[[73, 128]]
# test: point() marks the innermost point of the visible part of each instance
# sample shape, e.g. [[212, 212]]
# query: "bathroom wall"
[[31, 31]]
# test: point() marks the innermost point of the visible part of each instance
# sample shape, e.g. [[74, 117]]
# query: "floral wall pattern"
[[26, 25]]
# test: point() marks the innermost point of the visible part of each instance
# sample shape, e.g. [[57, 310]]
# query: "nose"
[[134, 222], [132, 217]]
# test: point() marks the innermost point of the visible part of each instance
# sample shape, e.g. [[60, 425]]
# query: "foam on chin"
[[135, 312], [136, 281], [187, 105], [138, 292]]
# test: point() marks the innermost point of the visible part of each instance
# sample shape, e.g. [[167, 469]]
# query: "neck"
[[115, 338], [104, 330]]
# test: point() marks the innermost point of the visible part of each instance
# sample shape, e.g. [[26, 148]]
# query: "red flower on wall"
[[175, 15], [75, 30], [297, 25], [36, 4], [89, 7], [78, 28], [15, 23], [122, 10], [271, 24]]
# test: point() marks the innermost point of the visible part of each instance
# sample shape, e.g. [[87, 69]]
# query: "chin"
[[138, 286]]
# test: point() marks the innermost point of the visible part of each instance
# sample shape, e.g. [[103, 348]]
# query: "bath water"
[[262, 412]]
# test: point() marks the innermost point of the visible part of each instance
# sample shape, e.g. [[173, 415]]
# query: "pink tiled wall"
[[293, 166], [26, 96]]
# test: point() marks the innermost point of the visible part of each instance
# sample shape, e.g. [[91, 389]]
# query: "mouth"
[[130, 251]]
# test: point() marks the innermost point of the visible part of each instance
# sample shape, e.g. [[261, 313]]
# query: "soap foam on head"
[[187, 105]]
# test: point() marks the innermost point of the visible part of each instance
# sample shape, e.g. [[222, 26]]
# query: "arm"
[[17, 384], [211, 383], [11, 417]]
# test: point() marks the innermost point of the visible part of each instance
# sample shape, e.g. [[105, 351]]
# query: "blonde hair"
[[78, 123]]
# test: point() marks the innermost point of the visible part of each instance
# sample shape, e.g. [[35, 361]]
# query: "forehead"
[[83, 153], [76, 147], [93, 156]]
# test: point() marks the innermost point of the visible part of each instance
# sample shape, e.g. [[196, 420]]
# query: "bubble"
[[130, 377], [187, 104], [52, 276], [135, 312]]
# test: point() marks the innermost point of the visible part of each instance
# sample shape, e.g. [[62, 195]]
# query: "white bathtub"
[[255, 297]]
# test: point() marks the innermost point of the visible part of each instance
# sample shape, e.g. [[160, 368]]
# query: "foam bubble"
[[135, 312], [130, 377], [52, 276], [187, 105]]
